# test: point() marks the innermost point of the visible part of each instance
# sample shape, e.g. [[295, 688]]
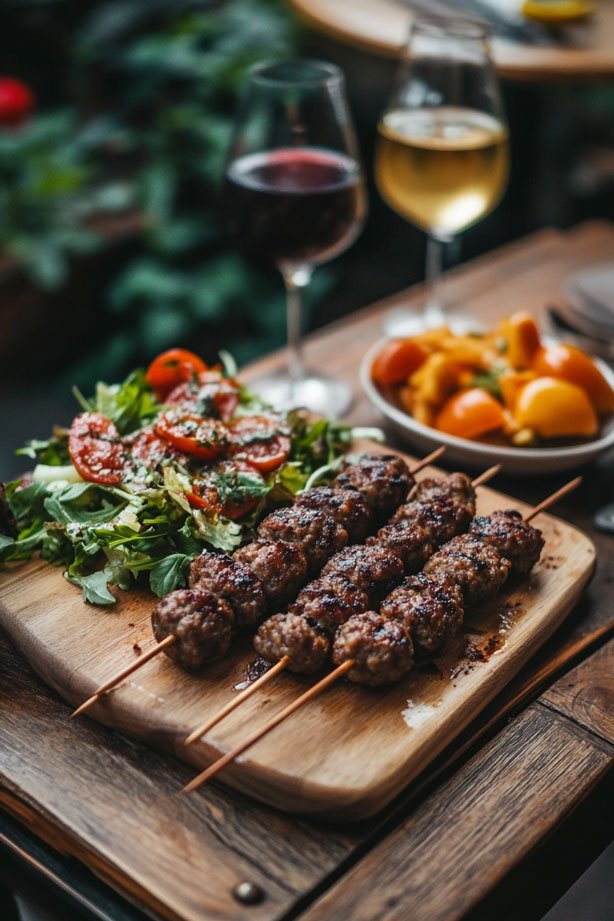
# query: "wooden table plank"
[[447, 854], [586, 694], [47, 763], [115, 805]]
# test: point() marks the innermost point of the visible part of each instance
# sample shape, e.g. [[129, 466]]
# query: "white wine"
[[442, 168]]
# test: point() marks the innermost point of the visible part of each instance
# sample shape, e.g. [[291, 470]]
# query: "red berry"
[[16, 102]]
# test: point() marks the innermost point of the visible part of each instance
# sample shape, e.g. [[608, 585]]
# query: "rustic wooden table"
[[457, 838]]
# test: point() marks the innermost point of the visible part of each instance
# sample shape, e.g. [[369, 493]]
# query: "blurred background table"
[[499, 826], [379, 27]]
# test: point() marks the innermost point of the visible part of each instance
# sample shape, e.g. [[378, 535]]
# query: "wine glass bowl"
[[294, 196], [442, 152]]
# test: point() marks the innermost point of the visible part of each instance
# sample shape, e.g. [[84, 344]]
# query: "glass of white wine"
[[442, 153]]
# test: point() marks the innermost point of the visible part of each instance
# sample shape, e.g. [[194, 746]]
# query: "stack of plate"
[[588, 314]]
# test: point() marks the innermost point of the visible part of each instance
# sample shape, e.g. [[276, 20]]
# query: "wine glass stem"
[[434, 314], [295, 280]]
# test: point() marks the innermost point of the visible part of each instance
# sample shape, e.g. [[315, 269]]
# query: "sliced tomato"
[[259, 441], [204, 439], [172, 368], [96, 450], [148, 449], [209, 391], [206, 496]]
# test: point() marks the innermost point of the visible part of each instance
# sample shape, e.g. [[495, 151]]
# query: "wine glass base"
[[404, 322], [324, 395]]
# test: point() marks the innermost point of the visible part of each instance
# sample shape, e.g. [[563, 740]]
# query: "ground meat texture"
[[316, 532], [346, 506], [477, 568], [456, 486], [292, 635], [329, 601], [442, 518], [382, 649], [201, 622], [383, 480], [431, 611], [375, 570], [409, 542], [233, 581], [280, 566], [517, 540]]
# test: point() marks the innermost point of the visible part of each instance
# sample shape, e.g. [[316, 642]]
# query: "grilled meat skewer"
[[292, 543], [374, 569], [430, 606]]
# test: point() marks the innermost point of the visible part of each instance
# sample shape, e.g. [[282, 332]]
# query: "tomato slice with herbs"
[[204, 439], [149, 450], [223, 492], [259, 441], [96, 449], [176, 366], [209, 393]]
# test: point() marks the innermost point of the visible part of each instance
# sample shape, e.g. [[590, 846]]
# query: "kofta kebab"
[[422, 612], [368, 610]]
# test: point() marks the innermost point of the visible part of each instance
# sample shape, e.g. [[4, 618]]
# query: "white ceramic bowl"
[[475, 453]]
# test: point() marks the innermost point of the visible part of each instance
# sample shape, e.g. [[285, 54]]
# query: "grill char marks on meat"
[[329, 601], [455, 486], [293, 635], [316, 532], [232, 581], [383, 480], [346, 506], [372, 569], [201, 622], [280, 566], [515, 539], [477, 568], [382, 649], [409, 542], [431, 611]]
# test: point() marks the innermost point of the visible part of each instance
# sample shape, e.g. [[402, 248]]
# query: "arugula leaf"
[[94, 587], [129, 405], [76, 504], [27, 504], [169, 574], [5, 543], [51, 451]]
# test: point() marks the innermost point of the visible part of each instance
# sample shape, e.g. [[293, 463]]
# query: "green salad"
[[175, 459]]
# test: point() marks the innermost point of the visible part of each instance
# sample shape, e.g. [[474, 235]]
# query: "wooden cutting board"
[[344, 755]]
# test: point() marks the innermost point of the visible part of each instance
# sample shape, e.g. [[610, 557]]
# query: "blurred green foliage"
[[50, 188], [171, 75]]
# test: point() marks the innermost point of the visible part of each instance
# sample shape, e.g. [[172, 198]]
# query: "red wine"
[[294, 206]]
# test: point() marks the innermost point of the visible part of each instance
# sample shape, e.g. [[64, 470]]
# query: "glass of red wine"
[[294, 196]]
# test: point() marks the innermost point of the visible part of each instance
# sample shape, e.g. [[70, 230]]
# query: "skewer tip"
[[85, 705]]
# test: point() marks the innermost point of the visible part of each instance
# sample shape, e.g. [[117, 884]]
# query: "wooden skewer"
[[169, 640], [428, 459], [116, 679], [550, 500], [486, 476], [285, 660], [234, 703], [274, 721], [329, 679]]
